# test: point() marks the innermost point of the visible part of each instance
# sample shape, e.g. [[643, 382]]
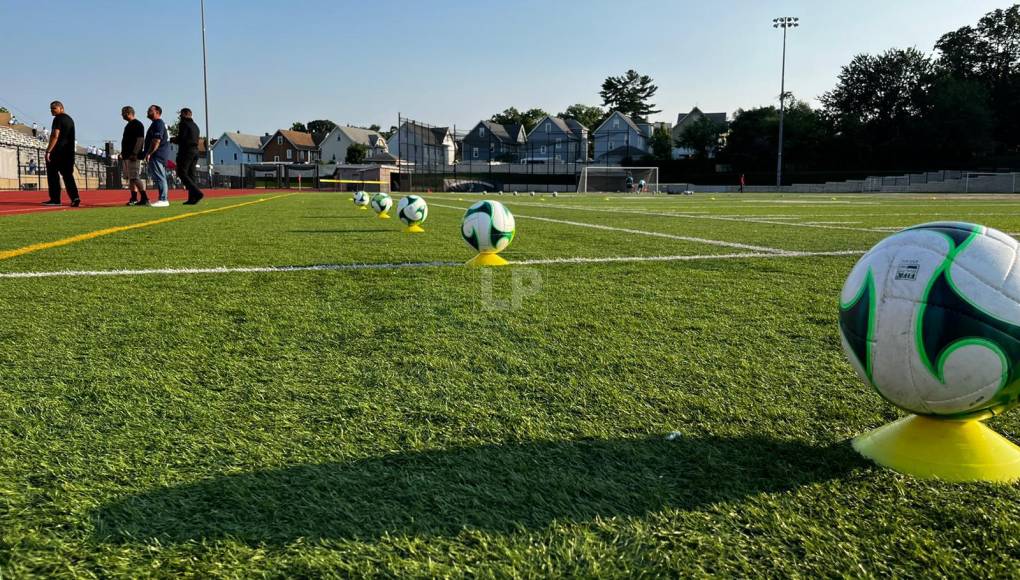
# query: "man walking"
[[60, 157], [157, 150], [130, 155], [187, 155]]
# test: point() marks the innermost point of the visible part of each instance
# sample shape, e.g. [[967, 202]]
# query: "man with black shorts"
[[187, 155], [130, 156], [60, 157]]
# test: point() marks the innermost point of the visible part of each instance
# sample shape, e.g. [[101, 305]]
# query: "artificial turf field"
[[187, 403]]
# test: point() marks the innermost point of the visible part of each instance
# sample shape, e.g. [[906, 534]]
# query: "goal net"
[[619, 179]]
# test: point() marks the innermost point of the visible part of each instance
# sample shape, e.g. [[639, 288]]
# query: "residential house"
[[237, 149], [423, 145], [556, 139], [290, 147], [490, 141], [619, 138], [333, 148], [685, 120], [203, 157]]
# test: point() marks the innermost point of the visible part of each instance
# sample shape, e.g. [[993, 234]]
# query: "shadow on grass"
[[499, 488]]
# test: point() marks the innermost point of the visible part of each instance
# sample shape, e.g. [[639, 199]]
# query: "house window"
[[279, 139], [235, 156], [616, 123], [276, 158], [542, 149], [611, 145], [290, 154], [481, 131], [474, 152], [548, 128]]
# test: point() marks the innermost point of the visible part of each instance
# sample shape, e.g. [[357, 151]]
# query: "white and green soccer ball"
[[930, 317], [488, 226], [412, 210], [361, 198], [381, 202]]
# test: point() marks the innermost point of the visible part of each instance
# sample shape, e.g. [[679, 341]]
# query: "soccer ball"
[[381, 202], [930, 317], [532, 194], [515, 194], [412, 210], [488, 226], [556, 194], [361, 198]]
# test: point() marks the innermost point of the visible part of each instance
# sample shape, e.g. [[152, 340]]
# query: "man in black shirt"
[[60, 157], [187, 155], [130, 155]]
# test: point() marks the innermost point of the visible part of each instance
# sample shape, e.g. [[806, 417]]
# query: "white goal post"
[[602, 178]]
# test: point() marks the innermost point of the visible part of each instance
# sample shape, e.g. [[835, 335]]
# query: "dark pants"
[[187, 169], [57, 168]]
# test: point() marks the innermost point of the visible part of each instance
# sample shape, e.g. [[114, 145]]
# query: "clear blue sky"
[[441, 61]]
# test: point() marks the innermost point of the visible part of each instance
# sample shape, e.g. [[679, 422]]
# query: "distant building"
[[490, 141], [237, 148], [619, 138], [685, 120], [333, 148], [423, 145], [556, 139], [290, 147]]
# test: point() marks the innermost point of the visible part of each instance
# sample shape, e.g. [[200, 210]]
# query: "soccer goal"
[[619, 179]]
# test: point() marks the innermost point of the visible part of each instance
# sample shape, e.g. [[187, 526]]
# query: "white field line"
[[697, 217], [638, 232], [414, 265]]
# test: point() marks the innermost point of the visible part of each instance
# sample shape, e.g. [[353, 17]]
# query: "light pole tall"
[[785, 23], [205, 86]]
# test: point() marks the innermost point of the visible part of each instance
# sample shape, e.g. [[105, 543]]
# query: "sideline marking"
[[410, 265], [639, 232], [7, 254]]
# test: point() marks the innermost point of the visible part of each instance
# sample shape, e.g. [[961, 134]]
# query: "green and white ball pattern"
[[930, 317], [381, 202], [488, 226], [412, 210], [361, 198]]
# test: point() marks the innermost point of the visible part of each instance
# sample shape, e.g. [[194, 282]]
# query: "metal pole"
[[782, 115], [205, 86]]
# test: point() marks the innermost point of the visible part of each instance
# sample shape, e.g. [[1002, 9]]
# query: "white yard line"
[[414, 265], [638, 232]]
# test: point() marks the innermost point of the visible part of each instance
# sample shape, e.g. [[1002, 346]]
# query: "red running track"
[[21, 202]]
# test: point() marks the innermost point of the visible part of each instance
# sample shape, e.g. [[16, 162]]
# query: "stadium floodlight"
[[784, 22]]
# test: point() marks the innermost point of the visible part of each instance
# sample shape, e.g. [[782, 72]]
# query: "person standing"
[[131, 153], [35, 129], [187, 155], [60, 157], [157, 150], [743, 182]]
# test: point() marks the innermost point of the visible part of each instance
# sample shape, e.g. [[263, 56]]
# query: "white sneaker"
[[163, 203]]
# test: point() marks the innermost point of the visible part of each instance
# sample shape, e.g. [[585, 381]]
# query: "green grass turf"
[[388, 422]]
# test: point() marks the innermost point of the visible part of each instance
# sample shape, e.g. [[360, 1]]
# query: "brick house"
[[290, 147]]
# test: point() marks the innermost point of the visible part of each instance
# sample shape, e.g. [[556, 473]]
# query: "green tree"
[[588, 115], [512, 116], [958, 122], [662, 144], [319, 128], [751, 143], [630, 94], [299, 126], [4, 110], [374, 127], [356, 153], [702, 136], [989, 54]]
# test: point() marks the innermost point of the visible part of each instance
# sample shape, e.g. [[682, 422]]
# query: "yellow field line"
[[7, 254]]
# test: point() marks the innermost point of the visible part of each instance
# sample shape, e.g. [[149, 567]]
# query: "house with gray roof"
[[685, 120], [423, 145], [334, 146], [490, 141], [620, 138], [237, 148], [557, 139]]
